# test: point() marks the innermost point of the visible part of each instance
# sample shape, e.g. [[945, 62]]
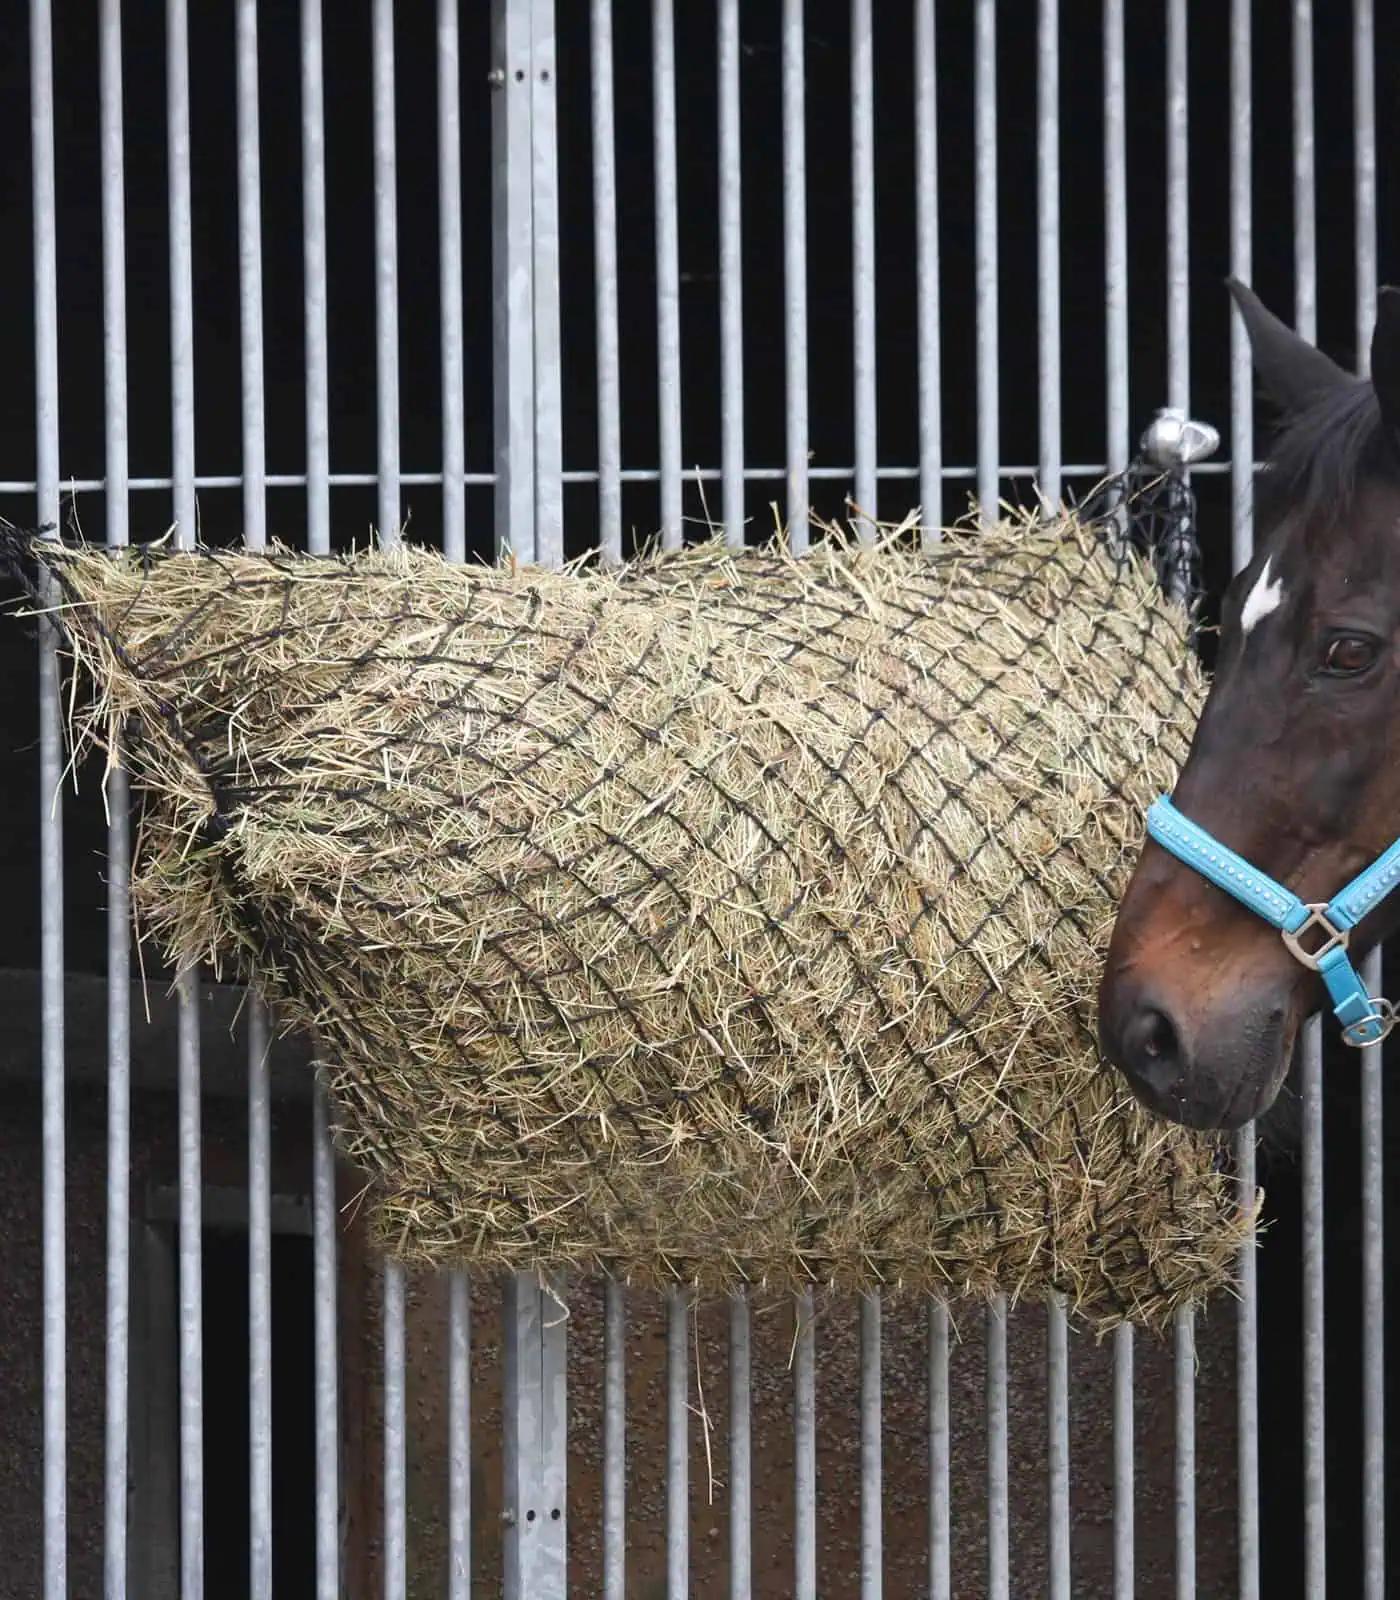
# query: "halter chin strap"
[[1364, 1020]]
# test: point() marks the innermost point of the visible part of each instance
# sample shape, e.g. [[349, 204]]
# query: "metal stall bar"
[[984, 92], [512, 278], [534, 1459], [326, 1326], [614, 1441], [386, 323], [1314, 1337], [605, 286], [731, 279], [548, 411], [804, 1421], [250, 306], [1372, 1057], [668, 271], [677, 1447], [863, 263], [454, 545], [795, 272], [940, 1539], [1118, 449], [1048, 247], [395, 1438], [1241, 550], [988, 493], [459, 1437], [50, 815], [740, 1454], [1115, 138], [1048, 287], [998, 1481], [114, 412], [930, 358], [1178, 394], [182, 477], [454, 431], [871, 1519]]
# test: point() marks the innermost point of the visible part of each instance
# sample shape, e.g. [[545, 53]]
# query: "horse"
[[1267, 875]]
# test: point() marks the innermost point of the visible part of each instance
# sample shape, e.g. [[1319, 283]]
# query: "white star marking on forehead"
[[1264, 597]]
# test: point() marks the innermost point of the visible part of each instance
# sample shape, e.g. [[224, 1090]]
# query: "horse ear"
[[1385, 359], [1292, 372]]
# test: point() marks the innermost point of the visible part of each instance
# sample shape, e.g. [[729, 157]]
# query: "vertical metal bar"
[[984, 92], [998, 1480], [395, 1499], [731, 278], [871, 1509], [1048, 346], [186, 531], [795, 271], [386, 269], [454, 544], [1057, 1411], [512, 273], [255, 537], [313, 200], [1242, 547], [386, 321], [614, 1441], [804, 1418], [605, 286], [1048, 247], [677, 1449], [1115, 162], [1124, 1554], [544, 214], [1178, 394], [1314, 1391], [863, 264], [740, 1452], [1372, 1058], [327, 1377], [940, 1495], [1185, 1351], [668, 286], [259, 1308], [454, 439], [534, 1445], [326, 1337], [1314, 1339], [1304, 175], [55, 1469], [459, 1437], [1373, 1307], [114, 409], [1178, 217], [927, 269]]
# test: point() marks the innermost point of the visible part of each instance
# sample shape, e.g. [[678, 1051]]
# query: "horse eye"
[[1348, 655]]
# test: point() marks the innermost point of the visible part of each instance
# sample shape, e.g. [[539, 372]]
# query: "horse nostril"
[[1153, 1050]]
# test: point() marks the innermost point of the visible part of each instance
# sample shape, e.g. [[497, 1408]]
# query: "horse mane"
[[1323, 454]]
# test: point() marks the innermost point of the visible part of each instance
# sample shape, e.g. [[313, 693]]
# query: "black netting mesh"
[[732, 918]]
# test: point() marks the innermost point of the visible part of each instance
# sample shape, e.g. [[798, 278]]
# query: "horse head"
[[1265, 860]]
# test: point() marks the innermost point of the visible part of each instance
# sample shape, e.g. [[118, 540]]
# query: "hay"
[[729, 919]]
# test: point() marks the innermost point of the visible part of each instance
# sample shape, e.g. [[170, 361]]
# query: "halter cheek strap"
[[1364, 1020]]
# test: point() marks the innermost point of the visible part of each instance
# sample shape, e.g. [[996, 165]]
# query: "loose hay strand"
[[731, 917]]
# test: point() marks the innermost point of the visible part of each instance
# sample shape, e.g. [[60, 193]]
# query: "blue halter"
[[1364, 1020]]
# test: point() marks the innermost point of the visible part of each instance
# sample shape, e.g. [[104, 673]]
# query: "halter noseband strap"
[[1364, 1020]]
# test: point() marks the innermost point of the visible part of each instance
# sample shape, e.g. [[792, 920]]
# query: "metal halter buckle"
[[1317, 918], [1384, 1013]]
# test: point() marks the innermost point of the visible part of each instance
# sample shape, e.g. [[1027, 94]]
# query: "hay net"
[[731, 918]]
